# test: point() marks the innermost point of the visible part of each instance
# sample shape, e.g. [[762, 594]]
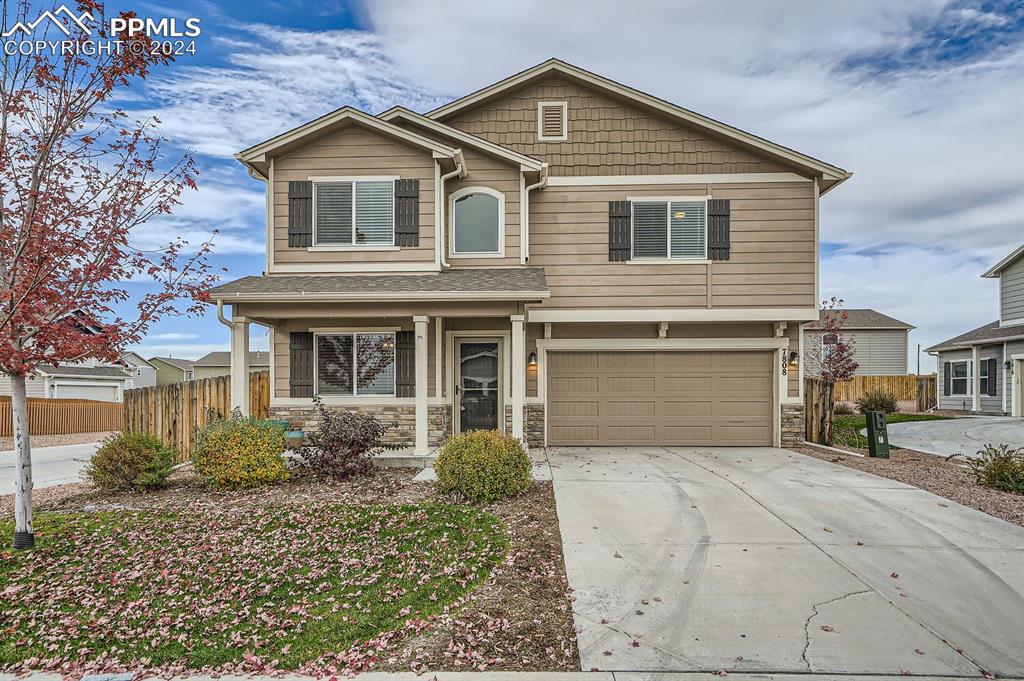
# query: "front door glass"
[[478, 383]]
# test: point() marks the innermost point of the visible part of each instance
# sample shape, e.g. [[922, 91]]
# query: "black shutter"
[[300, 214], [946, 379], [405, 364], [993, 365], [620, 238], [407, 212], [300, 364], [718, 229]]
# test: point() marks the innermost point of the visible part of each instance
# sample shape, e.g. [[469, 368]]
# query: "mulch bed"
[[932, 473], [518, 619]]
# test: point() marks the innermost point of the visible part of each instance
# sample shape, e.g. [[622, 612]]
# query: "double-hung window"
[[353, 364], [959, 377], [354, 212], [983, 377], [670, 228]]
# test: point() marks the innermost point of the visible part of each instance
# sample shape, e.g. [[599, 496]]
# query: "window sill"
[[456, 256], [330, 249], [668, 261]]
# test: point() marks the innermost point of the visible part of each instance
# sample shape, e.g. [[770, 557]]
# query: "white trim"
[[386, 295], [541, 137], [355, 364], [438, 357], [518, 376], [817, 243], [1004, 389], [344, 401], [658, 199], [329, 330], [354, 181], [421, 338], [975, 378], [1008, 322], [668, 201], [272, 379], [1004, 263], [470, 140], [524, 221], [1015, 385], [467, 191], [354, 267], [270, 216], [692, 178], [654, 314], [827, 169], [668, 261]]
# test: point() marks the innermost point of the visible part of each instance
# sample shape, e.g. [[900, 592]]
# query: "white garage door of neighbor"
[[104, 393], [687, 398]]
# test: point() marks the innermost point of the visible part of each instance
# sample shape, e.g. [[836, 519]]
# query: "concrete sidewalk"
[[963, 436]]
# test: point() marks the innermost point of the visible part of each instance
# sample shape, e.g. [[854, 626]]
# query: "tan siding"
[[771, 264], [354, 151], [606, 135], [486, 171]]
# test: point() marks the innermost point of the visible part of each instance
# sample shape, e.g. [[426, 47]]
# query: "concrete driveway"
[[764, 560], [957, 436], [50, 465]]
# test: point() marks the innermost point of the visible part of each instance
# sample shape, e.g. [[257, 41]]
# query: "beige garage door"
[[660, 398]]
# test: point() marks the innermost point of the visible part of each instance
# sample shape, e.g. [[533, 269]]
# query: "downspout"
[[524, 212], [441, 201], [220, 315]]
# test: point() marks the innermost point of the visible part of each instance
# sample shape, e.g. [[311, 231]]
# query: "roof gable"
[[1016, 255], [829, 174], [865, 318]]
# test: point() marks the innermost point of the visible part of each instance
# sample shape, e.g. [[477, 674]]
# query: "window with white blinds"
[[670, 229], [353, 364], [354, 213]]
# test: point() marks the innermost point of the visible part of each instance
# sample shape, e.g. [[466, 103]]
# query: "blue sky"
[[921, 100]]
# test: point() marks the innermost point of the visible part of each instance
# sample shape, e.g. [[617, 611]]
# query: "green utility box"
[[878, 435]]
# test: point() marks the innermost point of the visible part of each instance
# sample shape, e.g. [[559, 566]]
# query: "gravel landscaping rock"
[[7, 443], [947, 479]]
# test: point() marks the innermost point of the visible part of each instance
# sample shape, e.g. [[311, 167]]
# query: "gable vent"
[[552, 120]]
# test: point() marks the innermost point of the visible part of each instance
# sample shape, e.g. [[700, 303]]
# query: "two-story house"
[[556, 255], [980, 371]]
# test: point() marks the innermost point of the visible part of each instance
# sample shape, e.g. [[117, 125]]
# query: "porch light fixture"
[[532, 361], [794, 358], [1008, 365]]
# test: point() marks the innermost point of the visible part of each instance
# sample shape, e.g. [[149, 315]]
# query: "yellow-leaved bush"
[[483, 466], [240, 452]]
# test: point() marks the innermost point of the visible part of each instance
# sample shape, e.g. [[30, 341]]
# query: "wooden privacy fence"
[[62, 417], [174, 412], [905, 387]]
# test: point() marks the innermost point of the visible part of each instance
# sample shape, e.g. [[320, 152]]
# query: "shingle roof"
[[183, 364], [511, 280], [96, 372], [222, 359], [991, 331], [864, 318]]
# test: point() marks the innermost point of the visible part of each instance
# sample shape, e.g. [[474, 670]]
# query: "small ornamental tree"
[[76, 177], [834, 358]]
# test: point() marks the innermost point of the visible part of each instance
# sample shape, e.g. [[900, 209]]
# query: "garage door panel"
[[682, 398]]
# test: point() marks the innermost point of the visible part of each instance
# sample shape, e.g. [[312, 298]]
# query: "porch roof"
[[989, 333], [514, 283]]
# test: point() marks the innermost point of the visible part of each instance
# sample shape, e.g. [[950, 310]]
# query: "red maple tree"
[[834, 355], [76, 178]]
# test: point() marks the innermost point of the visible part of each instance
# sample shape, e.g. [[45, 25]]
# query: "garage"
[[80, 391], [685, 398]]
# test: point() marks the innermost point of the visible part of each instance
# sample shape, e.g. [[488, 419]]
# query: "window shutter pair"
[[620, 237], [300, 360], [300, 213]]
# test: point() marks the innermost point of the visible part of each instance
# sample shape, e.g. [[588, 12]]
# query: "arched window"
[[478, 222]]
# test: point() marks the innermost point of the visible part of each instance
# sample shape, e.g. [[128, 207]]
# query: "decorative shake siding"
[[878, 352], [1011, 292], [771, 262], [486, 171], [354, 151], [606, 136]]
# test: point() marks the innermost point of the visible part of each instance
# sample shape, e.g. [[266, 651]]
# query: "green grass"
[[285, 584], [846, 429]]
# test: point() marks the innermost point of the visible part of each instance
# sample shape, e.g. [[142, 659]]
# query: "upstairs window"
[[552, 121], [674, 229], [354, 213], [478, 221], [354, 364]]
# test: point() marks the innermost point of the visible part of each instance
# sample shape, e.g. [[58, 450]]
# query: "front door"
[[478, 385]]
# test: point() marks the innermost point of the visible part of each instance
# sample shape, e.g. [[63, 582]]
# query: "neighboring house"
[[219, 364], [142, 372], [981, 370], [556, 255], [88, 380], [880, 343], [172, 370]]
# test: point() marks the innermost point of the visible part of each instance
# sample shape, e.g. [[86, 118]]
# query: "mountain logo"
[[54, 17]]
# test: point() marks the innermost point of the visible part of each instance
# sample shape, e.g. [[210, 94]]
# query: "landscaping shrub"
[[343, 443], [240, 452], [482, 466], [130, 461], [1000, 467], [842, 409], [878, 399]]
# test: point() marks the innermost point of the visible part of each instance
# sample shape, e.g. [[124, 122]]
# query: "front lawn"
[[846, 429]]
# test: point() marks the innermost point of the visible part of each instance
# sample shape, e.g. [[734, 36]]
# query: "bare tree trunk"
[[23, 535]]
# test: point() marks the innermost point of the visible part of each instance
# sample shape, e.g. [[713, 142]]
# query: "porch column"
[[518, 374], [976, 378], [422, 440], [240, 364]]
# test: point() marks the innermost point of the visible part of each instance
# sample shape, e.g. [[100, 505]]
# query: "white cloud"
[[172, 336]]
